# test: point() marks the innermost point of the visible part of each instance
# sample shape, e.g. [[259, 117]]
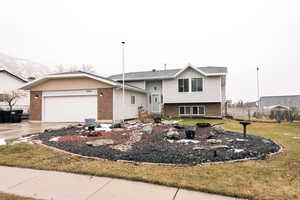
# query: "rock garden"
[[165, 142]]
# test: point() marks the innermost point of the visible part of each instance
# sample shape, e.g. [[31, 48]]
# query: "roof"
[[14, 75], [287, 100], [81, 74], [170, 73]]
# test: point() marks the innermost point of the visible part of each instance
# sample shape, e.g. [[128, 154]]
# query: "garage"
[[69, 108]]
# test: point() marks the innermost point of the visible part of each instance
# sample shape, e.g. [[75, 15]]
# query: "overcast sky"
[[238, 34]]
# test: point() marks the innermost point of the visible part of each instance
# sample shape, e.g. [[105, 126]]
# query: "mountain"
[[23, 67]]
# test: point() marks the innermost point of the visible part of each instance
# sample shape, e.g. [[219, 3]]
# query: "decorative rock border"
[[281, 150]]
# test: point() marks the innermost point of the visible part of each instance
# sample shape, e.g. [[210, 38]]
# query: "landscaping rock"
[[147, 129], [214, 141], [116, 125], [173, 134], [266, 141], [217, 130], [186, 141], [178, 126], [100, 142], [218, 147]]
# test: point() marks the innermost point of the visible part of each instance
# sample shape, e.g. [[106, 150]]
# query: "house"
[[267, 103], [190, 91], [75, 96], [10, 82]]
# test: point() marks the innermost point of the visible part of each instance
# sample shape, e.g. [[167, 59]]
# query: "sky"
[[238, 34]]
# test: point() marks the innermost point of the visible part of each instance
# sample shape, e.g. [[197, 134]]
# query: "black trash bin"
[[6, 116], [1, 116], [16, 116], [19, 114]]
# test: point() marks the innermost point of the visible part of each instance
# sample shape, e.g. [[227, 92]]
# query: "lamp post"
[[258, 100], [123, 83]]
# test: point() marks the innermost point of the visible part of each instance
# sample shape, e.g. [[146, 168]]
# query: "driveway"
[[15, 130]]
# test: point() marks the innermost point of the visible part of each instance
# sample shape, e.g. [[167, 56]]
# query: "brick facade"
[[211, 109], [105, 104], [35, 105]]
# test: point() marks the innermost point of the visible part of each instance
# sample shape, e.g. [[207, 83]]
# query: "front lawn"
[[277, 177]]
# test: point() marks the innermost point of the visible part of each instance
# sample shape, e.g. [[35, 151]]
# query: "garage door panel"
[[70, 108]]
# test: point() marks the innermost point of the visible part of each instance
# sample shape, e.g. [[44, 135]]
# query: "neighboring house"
[[10, 82], [266, 103], [75, 96], [190, 91]]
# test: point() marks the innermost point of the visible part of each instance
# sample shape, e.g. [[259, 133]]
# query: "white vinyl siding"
[[130, 111], [211, 89]]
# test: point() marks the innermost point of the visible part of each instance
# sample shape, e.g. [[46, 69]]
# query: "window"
[[184, 110], [191, 110], [132, 99], [149, 99], [183, 85], [198, 110], [197, 84], [161, 99], [181, 110]]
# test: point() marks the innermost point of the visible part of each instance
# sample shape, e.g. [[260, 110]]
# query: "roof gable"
[[190, 67], [13, 75], [168, 74], [78, 74]]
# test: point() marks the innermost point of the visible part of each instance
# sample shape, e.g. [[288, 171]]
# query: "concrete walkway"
[[64, 186]]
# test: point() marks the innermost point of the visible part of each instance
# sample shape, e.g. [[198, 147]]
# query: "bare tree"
[[11, 98], [84, 68]]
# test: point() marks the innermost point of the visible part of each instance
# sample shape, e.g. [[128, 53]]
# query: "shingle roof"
[[83, 72], [161, 74], [97, 76], [14, 75]]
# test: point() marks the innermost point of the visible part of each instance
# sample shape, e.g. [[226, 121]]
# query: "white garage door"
[[69, 108]]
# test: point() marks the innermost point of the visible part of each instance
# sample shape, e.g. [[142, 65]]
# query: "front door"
[[156, 103]]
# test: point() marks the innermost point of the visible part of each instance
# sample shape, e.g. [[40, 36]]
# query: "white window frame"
[[191, 110], [202, 80], [189, 85]]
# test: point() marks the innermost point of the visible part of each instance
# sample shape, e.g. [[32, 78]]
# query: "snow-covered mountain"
[[23, 67]]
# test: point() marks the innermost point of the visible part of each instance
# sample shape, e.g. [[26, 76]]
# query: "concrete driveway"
[[15, 130]]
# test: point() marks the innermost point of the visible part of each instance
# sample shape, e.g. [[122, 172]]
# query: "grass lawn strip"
[[274, 178], [5, 196]]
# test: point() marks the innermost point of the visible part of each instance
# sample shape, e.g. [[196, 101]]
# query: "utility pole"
[[123, 71]]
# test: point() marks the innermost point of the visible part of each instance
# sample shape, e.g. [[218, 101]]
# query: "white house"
[[190, 91], [74, 96], [10, 82]]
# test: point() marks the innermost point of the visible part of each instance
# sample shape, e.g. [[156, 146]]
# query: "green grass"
[[278, 177], [5, 196]]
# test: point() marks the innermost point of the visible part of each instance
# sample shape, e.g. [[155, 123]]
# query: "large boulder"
[[173, 134], [216, 130], [100, 142]]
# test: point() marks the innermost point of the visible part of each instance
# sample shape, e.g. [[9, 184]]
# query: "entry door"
[[156, 103]]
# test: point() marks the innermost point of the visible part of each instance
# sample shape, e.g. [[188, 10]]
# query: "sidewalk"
[[65, 186]]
